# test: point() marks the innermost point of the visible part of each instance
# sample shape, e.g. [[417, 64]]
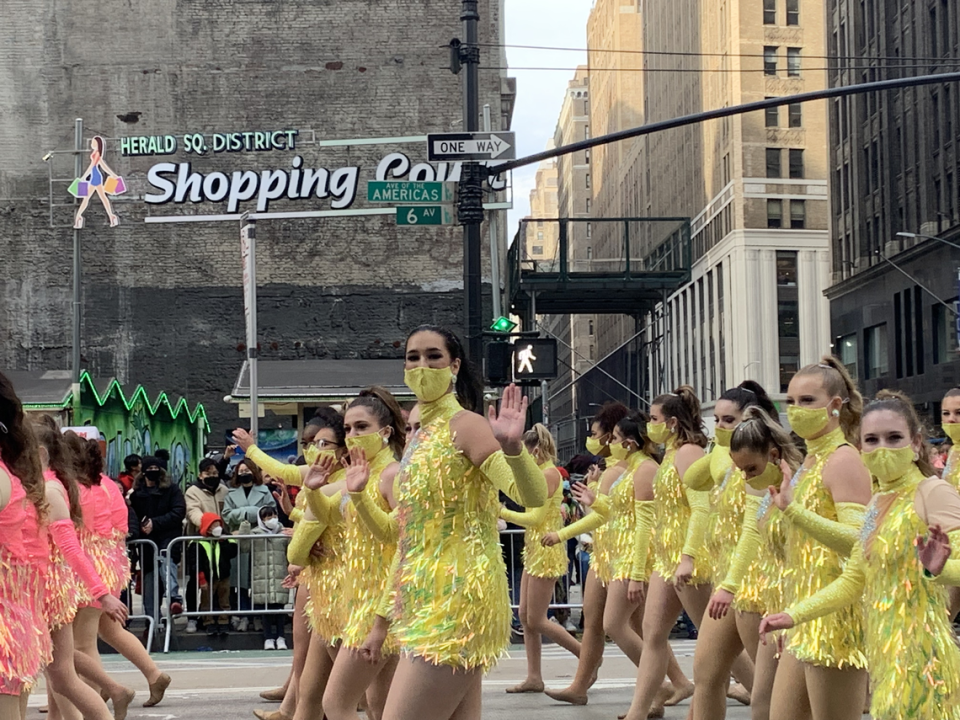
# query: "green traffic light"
[[503, 325]]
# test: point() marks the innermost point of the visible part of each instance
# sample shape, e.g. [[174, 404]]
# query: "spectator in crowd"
[[269, 571], [282, 496], [131, 468], [241, 509], [213, 573], [206, 495], [160, 510]]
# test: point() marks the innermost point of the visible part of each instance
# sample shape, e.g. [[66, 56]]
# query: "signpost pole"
[[471, 193], [77, 306], [248, 251]]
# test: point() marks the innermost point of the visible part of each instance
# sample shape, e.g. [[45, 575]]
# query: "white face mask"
[[272, 524], [217, 531]]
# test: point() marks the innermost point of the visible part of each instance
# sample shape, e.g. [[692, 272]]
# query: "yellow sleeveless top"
[[367, 562], [540, 561], [450, 601], [911, 649], [622, 526], [835, 641], [761, 590], [326, 611], [727, 501], [671, 517]]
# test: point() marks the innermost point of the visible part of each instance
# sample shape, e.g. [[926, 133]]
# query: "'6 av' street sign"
[[472, 146]]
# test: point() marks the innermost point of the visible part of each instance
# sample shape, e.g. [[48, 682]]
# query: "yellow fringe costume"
[[911, 649], [540, 561], [680, 515], [594, 522], [622, 526], [727, 500], [951, 471], [835, 641], [449, 587]]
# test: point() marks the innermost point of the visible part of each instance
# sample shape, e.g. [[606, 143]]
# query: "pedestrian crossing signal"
[[535, 359]]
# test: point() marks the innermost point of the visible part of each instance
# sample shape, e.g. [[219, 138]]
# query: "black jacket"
[[164, 505]]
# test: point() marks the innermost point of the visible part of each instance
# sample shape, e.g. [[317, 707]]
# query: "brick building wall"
[[162, 303]]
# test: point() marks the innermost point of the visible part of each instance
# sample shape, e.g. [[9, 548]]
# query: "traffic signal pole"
[[470, 204]]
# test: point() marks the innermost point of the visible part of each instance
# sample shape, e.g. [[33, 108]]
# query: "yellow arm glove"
[[598, 515], [290, 474], [528, 519], [296, 516], [382, 525], [747, 546], [517, 476], [698, 476], [699, 502], [643, 512], [305, 536], [839, 535], [845, 590], [325, 508]]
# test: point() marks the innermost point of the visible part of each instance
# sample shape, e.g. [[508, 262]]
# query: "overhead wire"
[[593, 69]]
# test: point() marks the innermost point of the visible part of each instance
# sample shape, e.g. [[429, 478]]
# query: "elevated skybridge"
[[592, 265]]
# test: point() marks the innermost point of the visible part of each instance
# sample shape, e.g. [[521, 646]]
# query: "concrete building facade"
[[162, 302]]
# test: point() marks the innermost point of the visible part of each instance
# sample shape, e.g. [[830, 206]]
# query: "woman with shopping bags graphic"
[[98, 178]]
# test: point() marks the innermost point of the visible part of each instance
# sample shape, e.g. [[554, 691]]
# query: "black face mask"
[[246, 479], [212, 482], [153, 475]]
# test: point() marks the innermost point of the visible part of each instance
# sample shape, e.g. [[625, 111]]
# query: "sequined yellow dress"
[[727, 502], [326, 610], [450, 604], [755, 573], [622, 526], [540, 561], [835, 641], [675, 535], [601, 563], [911, 649], [951, 471]]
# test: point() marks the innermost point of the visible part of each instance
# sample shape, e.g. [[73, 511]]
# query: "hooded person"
[[269, 568], [213, 572]]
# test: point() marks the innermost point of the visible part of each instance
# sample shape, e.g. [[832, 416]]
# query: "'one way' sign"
[[472, 146]]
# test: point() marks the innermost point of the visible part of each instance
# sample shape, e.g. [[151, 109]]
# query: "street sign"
[[535, 359], [472, 146], [411, 192], [424, 215]]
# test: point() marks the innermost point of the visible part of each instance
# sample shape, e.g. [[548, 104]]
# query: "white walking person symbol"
[[526, 357]]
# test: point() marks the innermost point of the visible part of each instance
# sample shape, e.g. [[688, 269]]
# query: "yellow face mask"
[[952, 431], [312, 454], [594, 446], [723, 436], [619, 452], [771, 475], [371, 444], [807, 422], [658, 432], [428, 384], [889, 464]]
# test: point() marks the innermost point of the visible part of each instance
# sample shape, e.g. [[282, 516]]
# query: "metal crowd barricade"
[[143, 563], [194, 557], [512, 540]]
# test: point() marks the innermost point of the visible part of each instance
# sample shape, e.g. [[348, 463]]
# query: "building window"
[[538, 249], [918, 327], [586, 154], [875, 351], [588, 206], [796, 164], [769, 12], [793, 12], [941, 333], [590, 327], [788, 318], [773, 163], [847, 352], [795, 112], [586, 132], [589, 253], [586, 179], [589, 230], [786, 268], [793, 62], [539, 236], [772, 116], [798, 214], [769, 60], [774, 213]]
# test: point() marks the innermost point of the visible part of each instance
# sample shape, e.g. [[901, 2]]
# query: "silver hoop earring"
[[916, 456], [836, 413], [454, 378]]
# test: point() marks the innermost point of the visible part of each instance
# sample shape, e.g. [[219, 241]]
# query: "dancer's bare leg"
[[790, 700], [379, 689], [422, 691], [591, 645], [764, 675], [348, 683], [86, 658], [75, 700], [718, 645], [617, 615], [313, 680], [301, 645], [836, 694], [124, 642]]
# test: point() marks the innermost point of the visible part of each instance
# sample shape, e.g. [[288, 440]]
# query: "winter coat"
[[200, 500], [238, 506], [269, 569], [164, 505], [216, 553]]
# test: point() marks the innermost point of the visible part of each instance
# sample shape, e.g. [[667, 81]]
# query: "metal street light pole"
[[928, 237], [77, 301]]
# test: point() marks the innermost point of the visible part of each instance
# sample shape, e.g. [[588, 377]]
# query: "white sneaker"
[[243, 625], [191, 625], [281, 643], [258, 624], [269, 644], [570, 627]]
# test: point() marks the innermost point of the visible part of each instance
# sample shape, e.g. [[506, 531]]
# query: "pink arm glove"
[[64, 536]]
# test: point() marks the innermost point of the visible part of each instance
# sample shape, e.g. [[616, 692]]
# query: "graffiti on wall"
[[134, 425]]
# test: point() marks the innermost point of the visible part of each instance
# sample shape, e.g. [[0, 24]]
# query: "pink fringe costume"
[[97, 538], [22, 639]]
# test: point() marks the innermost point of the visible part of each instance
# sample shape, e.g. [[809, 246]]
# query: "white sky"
[[553, 23]]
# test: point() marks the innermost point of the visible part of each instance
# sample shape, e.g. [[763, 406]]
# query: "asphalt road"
[[225, 686]]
